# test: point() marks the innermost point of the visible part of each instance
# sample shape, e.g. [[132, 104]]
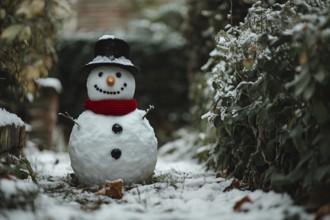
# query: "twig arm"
[[151, 107], [66, 115]]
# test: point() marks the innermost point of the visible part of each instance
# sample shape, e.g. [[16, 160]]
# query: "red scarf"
[[111, 107]]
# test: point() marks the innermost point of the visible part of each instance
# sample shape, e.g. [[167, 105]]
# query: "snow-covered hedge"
[[270, 79]]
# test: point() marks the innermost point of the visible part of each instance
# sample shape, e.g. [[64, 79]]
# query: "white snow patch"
[[7, 118], [11, 188], [48, 162], [209, 115], [183, 190], [29, 97], [183, 147], [104, 37], [51, 83]]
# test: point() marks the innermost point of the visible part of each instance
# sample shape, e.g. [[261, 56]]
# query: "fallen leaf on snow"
[[113, 189], [319, 196], [238, 205], [323, 211], [223, 174], [235, 184]]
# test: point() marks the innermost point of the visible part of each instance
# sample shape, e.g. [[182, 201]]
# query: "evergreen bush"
[[203, 21], [270, 107]]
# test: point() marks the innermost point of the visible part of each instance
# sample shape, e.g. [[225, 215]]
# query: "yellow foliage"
[[25, 33], [2, 13], [27, 37], [303, 58], [248, 63], [11, 32], [31, 9]]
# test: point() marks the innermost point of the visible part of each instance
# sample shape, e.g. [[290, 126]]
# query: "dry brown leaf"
[[113, 189], [238, 205], [235, 184], [303, 58], [222, 174], [323, 211], [248, 63]]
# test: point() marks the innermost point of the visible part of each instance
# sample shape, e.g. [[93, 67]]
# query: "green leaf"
[[305, 158], [262, 118], [279, 180], [228, 125], [296, 174], [320, 112], [296, 131], [325, 148], [300, 81], [309, 92], [319, 76], [321, 172], [215, 85], [30, 170]]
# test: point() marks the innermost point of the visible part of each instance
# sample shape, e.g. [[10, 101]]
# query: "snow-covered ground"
[[181, 189]]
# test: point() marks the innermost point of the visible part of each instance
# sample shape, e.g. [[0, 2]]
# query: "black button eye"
[[118, 74], [100, 74], [117, 129]]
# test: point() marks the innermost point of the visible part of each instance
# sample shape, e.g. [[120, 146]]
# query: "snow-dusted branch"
[[151, 107]]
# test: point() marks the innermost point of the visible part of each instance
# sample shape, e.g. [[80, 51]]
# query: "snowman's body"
[[113, 147], [107, 146]]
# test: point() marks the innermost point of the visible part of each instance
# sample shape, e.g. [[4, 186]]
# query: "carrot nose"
[[110, 80]]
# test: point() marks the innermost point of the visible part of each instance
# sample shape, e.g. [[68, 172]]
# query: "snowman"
[[112, 139]]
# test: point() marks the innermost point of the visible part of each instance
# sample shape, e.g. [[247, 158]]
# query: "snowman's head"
[[110, 82]]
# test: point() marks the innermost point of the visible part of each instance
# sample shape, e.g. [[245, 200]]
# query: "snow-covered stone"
[[50, 82], [7, 118]]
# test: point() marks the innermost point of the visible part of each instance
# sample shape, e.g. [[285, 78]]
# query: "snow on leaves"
[[269, 75]]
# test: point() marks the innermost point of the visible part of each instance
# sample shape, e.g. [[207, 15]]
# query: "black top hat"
[[111, 51]]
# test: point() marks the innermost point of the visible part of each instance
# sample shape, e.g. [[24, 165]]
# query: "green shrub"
[[203, 21], [270, 75]]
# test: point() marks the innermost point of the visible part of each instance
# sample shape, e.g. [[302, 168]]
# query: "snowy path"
[[183, 190]]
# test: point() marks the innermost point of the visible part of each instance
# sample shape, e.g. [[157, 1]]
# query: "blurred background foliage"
[[28, 31], [203, 21]]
